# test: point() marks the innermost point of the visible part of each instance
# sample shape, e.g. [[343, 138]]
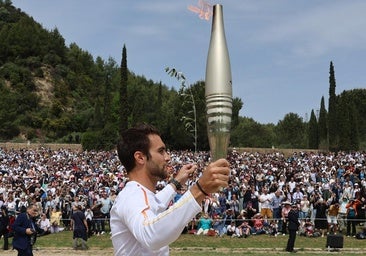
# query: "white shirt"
[[142, 224]]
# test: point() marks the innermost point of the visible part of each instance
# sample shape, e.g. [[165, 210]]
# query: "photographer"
[[25, 231]]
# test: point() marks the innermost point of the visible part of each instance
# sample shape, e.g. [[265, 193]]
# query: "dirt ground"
[[62, 252]]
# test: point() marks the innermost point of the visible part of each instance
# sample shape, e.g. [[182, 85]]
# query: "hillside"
[[52, 92]]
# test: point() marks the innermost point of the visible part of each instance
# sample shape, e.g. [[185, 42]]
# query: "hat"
[[294, 205], [286, 202]]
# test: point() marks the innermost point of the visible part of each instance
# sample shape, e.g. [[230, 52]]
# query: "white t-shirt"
[[142, 224]]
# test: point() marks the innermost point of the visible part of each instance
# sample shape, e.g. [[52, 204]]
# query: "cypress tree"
[[322, 126], [123, 96], [313, 132], [332, 111]]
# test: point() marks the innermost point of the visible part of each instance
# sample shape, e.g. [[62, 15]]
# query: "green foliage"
[[322, 126], [313, 133], [291, 132], [332, 111], [249, 133], [50, 92]]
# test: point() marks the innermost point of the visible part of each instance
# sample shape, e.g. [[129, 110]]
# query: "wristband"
[[176, 183], [200, 188]]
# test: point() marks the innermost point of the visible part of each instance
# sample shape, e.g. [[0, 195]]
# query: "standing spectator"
[[79, 226], [97, 218], [266, 200], [352, 216], [276, 206], [4, 226], [304, 208], [333, 218], [293, 227], [321, 222], [25, 231], [342, 214], [106, 203], [89, 219]]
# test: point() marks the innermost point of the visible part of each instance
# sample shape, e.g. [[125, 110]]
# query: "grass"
[[203, 245]]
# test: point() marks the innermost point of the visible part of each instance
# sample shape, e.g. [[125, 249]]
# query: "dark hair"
[[132, 140]]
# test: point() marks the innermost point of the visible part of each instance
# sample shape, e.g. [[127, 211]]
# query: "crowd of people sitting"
[[329, 189]]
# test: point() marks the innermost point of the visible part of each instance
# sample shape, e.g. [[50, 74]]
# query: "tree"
[[291, 132], [190, 120], [237, 106], [123, 94], [332, 111], [313, 135], [322, 126]]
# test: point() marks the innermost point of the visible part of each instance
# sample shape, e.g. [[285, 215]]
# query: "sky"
[[280, 50]]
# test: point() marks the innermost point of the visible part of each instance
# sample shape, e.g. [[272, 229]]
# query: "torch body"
[[218, 88]]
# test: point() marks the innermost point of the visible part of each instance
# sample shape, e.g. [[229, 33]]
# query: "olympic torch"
[[218, 88]]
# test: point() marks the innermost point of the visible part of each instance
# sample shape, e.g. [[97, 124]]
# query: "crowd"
[[328, 188]]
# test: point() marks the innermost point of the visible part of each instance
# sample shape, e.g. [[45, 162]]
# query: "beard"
[[157, 171]]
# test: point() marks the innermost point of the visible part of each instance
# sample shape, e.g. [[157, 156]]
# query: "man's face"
[[157, 164], [33, 211]]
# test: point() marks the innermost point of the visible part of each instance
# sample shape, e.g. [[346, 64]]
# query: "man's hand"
[[215, 176], [185, 172]]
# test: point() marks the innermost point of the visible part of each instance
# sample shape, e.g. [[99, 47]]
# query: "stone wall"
[[55, 146]]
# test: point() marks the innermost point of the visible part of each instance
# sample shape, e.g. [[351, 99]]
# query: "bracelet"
[[176, 183], [200, 188]]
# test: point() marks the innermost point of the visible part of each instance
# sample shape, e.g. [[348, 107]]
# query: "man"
[[266, 204], [79, 227], [25, 231], [141, 222], [106, 206], [293, 226]]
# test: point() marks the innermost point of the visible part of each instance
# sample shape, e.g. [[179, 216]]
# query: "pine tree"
[[313, 134], [123, 95], [332, 111]]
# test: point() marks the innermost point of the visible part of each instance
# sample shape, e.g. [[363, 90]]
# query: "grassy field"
[[204, 246]]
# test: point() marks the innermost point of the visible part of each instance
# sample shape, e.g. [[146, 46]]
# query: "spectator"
[[79, 226], [55, 220], [44, 224], [4, 226], [106, 205], [204, 224], [266, 201], [321, 223], [352, 216], [232, 230], [333, 218]]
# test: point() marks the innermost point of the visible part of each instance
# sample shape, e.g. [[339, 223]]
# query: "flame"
[[204, 9]]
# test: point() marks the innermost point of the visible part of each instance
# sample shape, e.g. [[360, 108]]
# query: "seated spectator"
[[258, 225], [44, 224], [218, 225], [55, 220], [244, 229], [308, 229], [232, 230], [204, 224]]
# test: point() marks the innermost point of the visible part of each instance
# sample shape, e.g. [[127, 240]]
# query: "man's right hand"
[[214, 177]]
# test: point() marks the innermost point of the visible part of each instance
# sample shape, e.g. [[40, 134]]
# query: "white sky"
[[280, 50]]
